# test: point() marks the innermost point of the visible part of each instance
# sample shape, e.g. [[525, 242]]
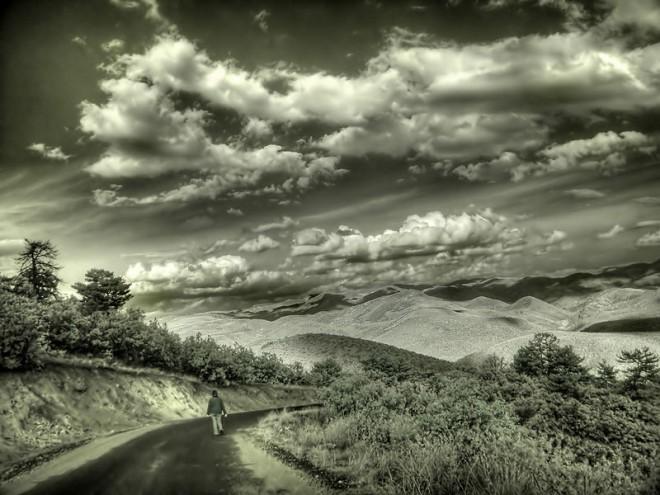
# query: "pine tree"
[[37, 270], [103, 290], [642, 367]]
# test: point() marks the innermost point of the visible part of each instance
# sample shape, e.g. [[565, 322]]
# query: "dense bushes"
[[543, 425], [31, 328]]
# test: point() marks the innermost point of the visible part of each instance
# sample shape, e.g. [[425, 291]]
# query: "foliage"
[[494, 429], [37, 270], [642, 367], [20, 339], [325, 372], [103, 291]]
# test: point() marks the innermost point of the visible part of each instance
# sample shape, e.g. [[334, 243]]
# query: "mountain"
[[599, 313]]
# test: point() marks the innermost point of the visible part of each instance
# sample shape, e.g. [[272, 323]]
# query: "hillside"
[[348, 351], [450, 330]]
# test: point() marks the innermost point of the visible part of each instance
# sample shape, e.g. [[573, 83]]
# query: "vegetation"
[[103, 291], [542, 425], [36, 321]]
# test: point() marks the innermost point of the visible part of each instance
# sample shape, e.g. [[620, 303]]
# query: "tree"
[[103, 290], [543, 357], [642, 367], [37, 269], [605, 374]]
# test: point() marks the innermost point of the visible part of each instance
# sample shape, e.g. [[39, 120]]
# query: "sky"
[[222, 154]]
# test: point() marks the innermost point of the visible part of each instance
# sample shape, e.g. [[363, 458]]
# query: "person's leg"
[[222, 431], [214, 420]]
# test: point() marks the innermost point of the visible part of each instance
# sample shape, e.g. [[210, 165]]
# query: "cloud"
[[48, 152], [114, 45], [259, 244], [418, 235], [284, 223], [10, 247], [648, 200], [585, 193], [650, 239], [151, 10], [148, 137], [257, 128], [261, 19], [606, 152], [613, 232], [647, 223], [237, 212], [80, 41]]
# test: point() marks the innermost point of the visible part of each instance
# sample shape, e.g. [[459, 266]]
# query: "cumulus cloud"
[[259, 244], [237, 212], [257, 128], [49, 152], [148, 137], [613, 232], [418, 235], [210, 277], [284, 223], [585, 193], [650, 239]]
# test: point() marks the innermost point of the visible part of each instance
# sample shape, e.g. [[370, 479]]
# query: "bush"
[[324, 372], [20, 335]]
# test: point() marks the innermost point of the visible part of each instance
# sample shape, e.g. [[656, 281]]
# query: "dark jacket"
[[216, 406]]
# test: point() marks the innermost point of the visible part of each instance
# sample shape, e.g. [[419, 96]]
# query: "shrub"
[[324, 372], [20, 336]]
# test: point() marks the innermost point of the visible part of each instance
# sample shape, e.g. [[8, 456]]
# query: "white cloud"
[[606, 152], [585, 193], [647, 223], [257, 128], [650, 239], [151, 10], [259, 244], [418, 235], [237, 212], [217, 271], [261, 19], [114, 45], [613, 232], [49, 152], [284, 223], [148, 137]]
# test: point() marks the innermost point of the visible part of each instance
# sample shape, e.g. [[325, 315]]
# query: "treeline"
[[35, 321], [542, 424]]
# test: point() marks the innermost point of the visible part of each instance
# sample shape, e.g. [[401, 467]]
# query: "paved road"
[[182, 458]]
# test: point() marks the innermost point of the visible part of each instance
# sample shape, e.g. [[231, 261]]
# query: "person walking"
[[216, 409]]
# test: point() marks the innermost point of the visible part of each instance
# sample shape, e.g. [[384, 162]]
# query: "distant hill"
[[600, 313], [558, 289], [348, 351]]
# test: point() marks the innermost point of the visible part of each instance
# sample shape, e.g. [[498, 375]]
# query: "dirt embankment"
[[67, 404]]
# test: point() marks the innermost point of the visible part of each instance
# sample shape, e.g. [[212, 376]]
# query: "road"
[[181, 458]]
